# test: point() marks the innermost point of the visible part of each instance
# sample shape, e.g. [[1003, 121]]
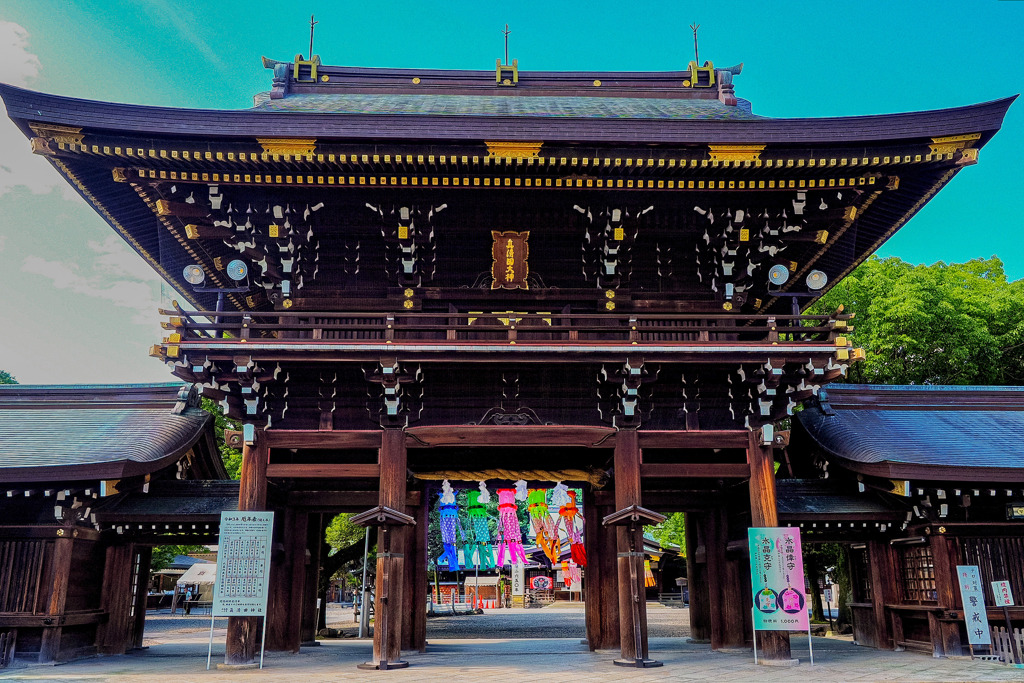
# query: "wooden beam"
[[685, 470], [311, 438], [522, 435], [327, 470], [694, 439]]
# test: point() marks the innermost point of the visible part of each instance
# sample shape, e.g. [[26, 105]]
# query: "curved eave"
[[28, 106]]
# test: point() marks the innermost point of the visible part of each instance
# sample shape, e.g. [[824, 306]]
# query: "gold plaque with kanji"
[[510, 252]]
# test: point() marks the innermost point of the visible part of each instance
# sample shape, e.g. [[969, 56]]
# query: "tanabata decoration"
[[543, 529], [648, 574], [479, 547], [572, 522], [449, 523], [508, 524], [570, 573]]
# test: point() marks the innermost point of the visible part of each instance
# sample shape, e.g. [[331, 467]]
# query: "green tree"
[[343, 551], [163, 555], [232, 457], [7, 378], [670, 532], [960, 323]]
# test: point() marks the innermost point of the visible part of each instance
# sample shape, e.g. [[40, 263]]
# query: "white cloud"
[[116, 258], [18, 166], [3, 239]]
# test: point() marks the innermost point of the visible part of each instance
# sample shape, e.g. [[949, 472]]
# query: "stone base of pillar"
[[238, 667], [637, 663], [778, 662], [383, 666]]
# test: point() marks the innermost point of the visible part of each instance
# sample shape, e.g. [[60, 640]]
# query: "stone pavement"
[[181, 658]]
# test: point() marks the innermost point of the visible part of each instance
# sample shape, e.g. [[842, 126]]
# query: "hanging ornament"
[[449, 523], [648, 574], [479, 547], [521, 493], [559, 495], [485, 495], [572, 522], [543, 529], [508, 524]]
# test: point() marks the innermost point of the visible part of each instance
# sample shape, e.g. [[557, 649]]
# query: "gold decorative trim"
[[513, 150], [952, 143], [41, 146], [736, 152], [288, 146], [59, 134], [967, 157]]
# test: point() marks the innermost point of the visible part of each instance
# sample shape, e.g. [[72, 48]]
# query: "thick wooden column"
[[389, 597], [287, 583], [315, 530], [49, 647], [627, 492], [138, 626], [773, 645], [114, 636], [601, 578], [946, 634], [697, 581], [414, 630], [883, 591], [243, 639], [725, 604]]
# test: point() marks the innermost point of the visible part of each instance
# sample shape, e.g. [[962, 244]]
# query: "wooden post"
[[697, 581], [601, 583], [630, 550], [390, 562], [772, 645], [884, 586], [114, 636], [420, 578], [944, 556], [287, 583], [145, 559], [315, 529], [243, 639], [725, 601], [49, 647]]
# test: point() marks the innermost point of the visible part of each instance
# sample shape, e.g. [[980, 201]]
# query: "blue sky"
[[79, 306]]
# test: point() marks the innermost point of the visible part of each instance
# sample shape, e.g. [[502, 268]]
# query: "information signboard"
[[777, 578], [243, 564], [978, 632], [1003, 593]]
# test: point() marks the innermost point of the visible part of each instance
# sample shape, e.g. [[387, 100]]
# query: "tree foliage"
[[163, 555], [232, 457], [7, 378], [670, 532], [959, 323]]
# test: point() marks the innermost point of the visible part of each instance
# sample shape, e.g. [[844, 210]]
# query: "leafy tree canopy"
[[7, 378], [670, 532], [959, 323], [163, 555]]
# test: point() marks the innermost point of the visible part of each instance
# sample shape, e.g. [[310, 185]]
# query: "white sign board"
[[518, 579], [1004, 596], [243, 564], [978, 632]]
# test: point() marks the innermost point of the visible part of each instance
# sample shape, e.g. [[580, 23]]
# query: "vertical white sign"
[[518, 579], [243, 564], [1004, 596], [975, 616]]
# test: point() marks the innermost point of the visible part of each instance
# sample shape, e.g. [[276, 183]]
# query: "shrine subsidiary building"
[[406, 275]]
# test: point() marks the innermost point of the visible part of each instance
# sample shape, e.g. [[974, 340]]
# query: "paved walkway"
[[178, 658]]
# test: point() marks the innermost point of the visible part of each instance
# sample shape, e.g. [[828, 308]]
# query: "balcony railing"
[[507, 327]]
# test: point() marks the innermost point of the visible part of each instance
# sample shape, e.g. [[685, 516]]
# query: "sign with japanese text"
[[518, 579], [777, 579], [510, 251], [243, 564], [973, 595], [1004, 596]]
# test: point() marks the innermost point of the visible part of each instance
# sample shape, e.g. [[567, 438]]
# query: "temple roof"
[[82, 432], [810, 500], [962, 433]]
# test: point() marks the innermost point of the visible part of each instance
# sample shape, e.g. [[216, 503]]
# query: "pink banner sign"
[[777, 579]]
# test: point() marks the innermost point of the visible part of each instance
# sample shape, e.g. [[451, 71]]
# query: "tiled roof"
[[503, 105], [955, 433], [810, 499], [89, 432], [173, 500]]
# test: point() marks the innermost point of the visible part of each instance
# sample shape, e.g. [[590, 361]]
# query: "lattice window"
[[860, 571], [918, 574], [999, 558]]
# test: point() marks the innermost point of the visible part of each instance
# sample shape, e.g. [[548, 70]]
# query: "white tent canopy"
[[203, 572]]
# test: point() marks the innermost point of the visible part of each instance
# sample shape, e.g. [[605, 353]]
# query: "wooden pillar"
[[418, 578], [114, 636], [49, 647], [287, 583], [630, 550], [697, 580], [883, 591], [773, 645], [601, 579], [390, 563], [725, 605], [315, 530], [144, 555], [944, 556], [243, 639]]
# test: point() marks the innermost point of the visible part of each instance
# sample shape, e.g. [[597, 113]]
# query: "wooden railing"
[[506, 327]]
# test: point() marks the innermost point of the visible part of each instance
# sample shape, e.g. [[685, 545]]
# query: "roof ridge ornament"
[[502, 68]]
